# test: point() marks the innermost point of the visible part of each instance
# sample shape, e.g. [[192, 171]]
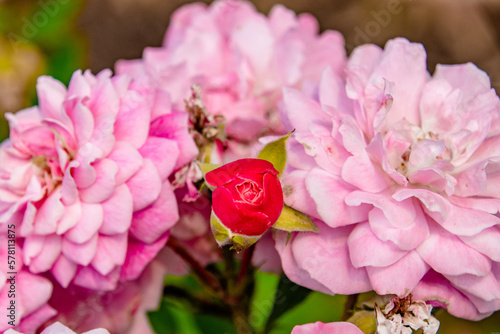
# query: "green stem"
[[245, 263], [349, 306]]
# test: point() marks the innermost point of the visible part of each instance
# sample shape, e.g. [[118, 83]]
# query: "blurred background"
[[56, 37]]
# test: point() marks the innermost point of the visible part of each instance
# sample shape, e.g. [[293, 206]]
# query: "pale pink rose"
[[329, 328], [23, 310], [58, 328], [84, 177], [400, 169], [241, 59]]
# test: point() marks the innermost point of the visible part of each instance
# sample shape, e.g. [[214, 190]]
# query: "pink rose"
[[241, 59], [84, 177], [401, 170], [248, 199]]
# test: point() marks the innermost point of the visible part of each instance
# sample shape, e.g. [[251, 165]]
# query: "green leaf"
[[288, 295], [205, 168], [292, 220], [316, 307], [263, 299], [275, 153]]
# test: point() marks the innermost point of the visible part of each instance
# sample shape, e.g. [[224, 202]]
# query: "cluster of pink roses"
[[397, 168]]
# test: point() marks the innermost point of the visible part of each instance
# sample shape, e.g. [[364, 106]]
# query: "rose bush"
[[247, 199]]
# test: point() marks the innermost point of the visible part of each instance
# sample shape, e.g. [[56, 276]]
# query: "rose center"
[[250, 192]]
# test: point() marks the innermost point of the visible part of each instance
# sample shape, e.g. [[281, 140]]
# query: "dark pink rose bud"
[[246, 202]]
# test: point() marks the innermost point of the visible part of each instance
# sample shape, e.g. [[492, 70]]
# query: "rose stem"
[[245, 263], [205, 276], [349, 306]]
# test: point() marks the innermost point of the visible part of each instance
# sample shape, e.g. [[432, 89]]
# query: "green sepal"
[[205, 168], [275, 153], [292, 220], [365, 321], [224, 236]]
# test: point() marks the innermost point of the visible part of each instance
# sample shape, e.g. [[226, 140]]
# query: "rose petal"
[[111, 252], [151, 222], [448, 255], [88, 225], [145, 185], [117, 212]]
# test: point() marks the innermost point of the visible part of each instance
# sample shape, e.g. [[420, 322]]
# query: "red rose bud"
[[246, 202]]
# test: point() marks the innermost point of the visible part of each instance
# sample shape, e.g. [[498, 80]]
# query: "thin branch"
[[245, 263], [349, 306], [205, 276]]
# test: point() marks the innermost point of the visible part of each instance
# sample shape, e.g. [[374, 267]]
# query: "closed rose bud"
[[246, 202]]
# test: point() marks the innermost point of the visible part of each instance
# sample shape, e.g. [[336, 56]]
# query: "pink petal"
[[448, 255], [132, 122], [48, 254], [485, 242], [437, 291], [326, 252], [365, 249], [111, 252], [404, 64], [51, 94], [332, 91], [139, 255], [295, 193], [80, 253], [400, 214], [151, 222], [329, 328], [328, 192], [486, 288], [104, 184], [63, 271], [49, 214], [26, 284], [83, 121], [145, 185], [174, 126], [399, 278], [88, 277], [72, 215], [69, 190], [254, 41], [117, 212], [128, 160], [31, 323], [405, 238], [296, 105], [163, 153], [88, 225]]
